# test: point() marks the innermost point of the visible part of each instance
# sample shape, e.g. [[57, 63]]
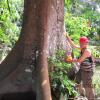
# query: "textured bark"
[[41, 36], [14, 76], [56, 21], [43, 90]]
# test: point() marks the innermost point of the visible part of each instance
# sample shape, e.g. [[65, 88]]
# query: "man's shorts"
[[85, 77]]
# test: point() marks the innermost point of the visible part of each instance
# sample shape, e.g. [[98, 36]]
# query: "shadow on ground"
[[19, 96]]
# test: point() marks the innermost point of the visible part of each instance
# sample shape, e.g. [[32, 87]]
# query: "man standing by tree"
[[85, 74]]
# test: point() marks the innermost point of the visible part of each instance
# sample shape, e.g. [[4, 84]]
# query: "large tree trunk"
[[56, 22], [41, 36]]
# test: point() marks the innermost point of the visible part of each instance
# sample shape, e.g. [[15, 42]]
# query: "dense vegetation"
[[10, 23], [82, 19], [59, 69]]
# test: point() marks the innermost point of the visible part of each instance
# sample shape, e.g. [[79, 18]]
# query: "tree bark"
[[41, 35], [56, 23], [43, 9]]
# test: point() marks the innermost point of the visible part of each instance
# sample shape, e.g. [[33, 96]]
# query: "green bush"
[[58, 76], [95, 51], [10, 23], [76, 26]]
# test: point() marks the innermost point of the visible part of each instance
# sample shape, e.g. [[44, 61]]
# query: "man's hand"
[[65, 33], [69, 59], [74, 60]]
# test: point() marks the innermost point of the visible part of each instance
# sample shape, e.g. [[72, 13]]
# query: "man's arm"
[[87, 53], [70, 41]]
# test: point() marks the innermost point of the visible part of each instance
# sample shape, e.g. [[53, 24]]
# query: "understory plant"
[[58, 70]]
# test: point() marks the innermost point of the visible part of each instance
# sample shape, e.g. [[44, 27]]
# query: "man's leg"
[[87, 83], [90, 93], [79, 86], [81, 90]]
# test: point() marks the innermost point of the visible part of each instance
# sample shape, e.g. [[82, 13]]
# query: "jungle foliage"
[[10, 21]]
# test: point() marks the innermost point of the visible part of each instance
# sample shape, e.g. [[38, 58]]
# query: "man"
[[85, 74]]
